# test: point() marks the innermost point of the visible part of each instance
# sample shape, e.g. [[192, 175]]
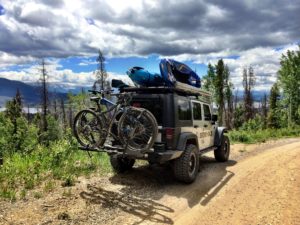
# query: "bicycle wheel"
[[88, 129], [137, 128]]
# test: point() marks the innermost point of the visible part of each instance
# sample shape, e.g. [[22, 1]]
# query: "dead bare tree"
[[55, 109], [248, 83], [236, 99], [63, 112], [264, 110], [101, 74], [44, 95], [70, 115]]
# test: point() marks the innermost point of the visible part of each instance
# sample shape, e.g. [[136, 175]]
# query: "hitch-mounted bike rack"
[[106, 148]]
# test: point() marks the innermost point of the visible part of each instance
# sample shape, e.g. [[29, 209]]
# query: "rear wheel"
[[88, 129], [222, 151], [121, 164], [137, 128], [187, 166]]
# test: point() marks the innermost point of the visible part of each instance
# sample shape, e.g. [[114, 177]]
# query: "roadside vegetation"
[[28, 162], [275, 115], [262, 135], [40, 150]]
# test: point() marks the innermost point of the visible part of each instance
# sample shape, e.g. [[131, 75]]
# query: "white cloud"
[[7, 59], [194, 30], [56, 76], [264, 60]]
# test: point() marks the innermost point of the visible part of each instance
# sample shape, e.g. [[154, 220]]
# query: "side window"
[[207, 114], [184, 110], [197, 111]]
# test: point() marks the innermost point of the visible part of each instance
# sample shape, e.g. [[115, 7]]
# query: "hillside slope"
[[30, 94]]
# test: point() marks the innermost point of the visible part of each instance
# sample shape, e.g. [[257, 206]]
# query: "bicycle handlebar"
[[122, 97], [100, 92], [109, 92]]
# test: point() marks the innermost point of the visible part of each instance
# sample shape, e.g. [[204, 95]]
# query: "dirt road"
[[259, 185]]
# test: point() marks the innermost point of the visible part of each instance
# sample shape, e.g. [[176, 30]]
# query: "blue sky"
[[121, 65], [141, 32]]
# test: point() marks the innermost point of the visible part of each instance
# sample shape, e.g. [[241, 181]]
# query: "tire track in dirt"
[[264, 190]]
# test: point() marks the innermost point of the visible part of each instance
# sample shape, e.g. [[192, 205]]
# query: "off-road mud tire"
[[121, 164], [222, 152], [187, 166]]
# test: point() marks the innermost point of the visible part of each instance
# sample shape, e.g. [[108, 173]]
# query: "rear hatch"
[[161, 106], [151, 102]]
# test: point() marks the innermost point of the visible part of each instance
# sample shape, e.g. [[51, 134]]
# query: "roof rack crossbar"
[[162, 89]]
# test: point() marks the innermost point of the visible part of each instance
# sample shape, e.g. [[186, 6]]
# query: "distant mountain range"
[[30, 94]]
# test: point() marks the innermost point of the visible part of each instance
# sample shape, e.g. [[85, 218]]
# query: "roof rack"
[[180, 89]]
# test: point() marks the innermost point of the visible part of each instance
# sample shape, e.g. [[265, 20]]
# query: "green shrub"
[[260, 135], [253, 124], [24, 140], [54, 132], [61, 160]]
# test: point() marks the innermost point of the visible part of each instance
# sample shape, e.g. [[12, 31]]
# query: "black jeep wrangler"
[[187, 128]]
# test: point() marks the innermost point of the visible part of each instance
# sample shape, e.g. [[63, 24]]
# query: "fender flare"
[[219, 133], [183, 138]]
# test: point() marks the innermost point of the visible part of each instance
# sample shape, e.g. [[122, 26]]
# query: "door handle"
[[205, 125]]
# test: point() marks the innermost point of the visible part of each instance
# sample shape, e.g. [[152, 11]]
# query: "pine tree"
[[14, 110], [228, 97], [289, 78], [217, 81], [219, 90], [209, 79], [274, 116]]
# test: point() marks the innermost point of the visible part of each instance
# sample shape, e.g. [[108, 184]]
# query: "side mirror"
[[214, 118]]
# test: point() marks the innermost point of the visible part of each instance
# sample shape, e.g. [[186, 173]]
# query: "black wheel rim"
[[192, 164], [225, 147]]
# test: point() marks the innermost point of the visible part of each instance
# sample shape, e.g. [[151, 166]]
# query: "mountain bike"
[[133, 129]]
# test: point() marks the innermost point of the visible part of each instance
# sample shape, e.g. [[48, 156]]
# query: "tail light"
[[169, 137], [169, 133], [136, 104]]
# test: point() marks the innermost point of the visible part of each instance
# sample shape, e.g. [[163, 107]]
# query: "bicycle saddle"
[[95, 98]]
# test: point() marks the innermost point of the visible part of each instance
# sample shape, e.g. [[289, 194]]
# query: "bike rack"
[[106, 148]]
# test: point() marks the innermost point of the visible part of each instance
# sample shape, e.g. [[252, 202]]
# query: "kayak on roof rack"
[[172, 74]]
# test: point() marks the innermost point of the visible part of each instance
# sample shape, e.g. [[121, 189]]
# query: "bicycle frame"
[[112, 109]]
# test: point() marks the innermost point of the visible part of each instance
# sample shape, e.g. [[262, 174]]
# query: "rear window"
[[153, 105], [184, 110], [197, 111]]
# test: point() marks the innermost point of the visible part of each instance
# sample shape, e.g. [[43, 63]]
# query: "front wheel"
[[137, 129], [88, 129], [222, 151]]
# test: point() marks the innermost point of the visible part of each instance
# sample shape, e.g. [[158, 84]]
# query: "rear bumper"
[[158, 156], [161, 157]]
